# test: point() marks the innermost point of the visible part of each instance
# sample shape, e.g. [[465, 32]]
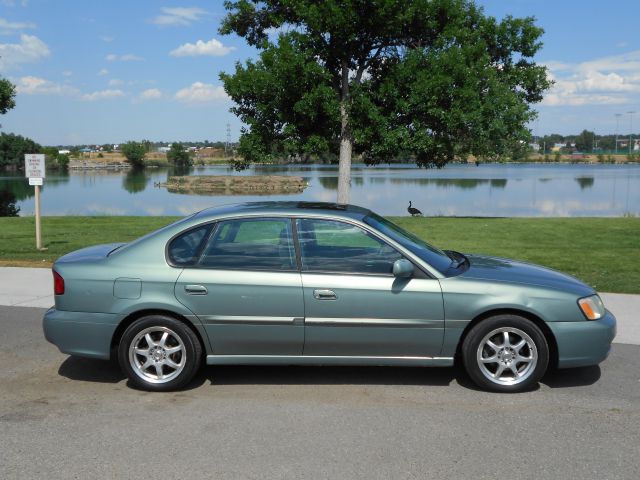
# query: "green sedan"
[[295, 283]]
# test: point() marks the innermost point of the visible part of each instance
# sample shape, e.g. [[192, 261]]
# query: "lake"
[[456, 190]]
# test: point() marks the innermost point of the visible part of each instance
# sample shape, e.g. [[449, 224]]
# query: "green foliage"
[[134, 152], [7, 96], [100, 155], [107, 147], [63, 161], [178, 156], [432, 79], [8, 204], [13, 148], [585, 142]]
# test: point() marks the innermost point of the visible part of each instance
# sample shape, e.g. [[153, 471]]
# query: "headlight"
[[592, 307]]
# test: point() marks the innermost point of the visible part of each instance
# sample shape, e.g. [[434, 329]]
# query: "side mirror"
[[402, 268]]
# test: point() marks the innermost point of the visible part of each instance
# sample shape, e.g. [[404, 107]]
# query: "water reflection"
[[135, 181], [487, 190], [585, 182]]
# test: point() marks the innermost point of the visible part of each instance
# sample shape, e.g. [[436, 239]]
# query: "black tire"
[[187, 357], [530, 361]]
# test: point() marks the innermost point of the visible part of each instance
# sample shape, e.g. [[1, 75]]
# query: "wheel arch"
[[133, 316], [535, 319]]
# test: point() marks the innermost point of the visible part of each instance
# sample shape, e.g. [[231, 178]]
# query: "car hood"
[[89, 254], [512, 271]]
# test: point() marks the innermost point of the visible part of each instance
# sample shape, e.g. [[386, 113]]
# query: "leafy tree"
[[107, 147], [134, 152], [436, 78], [178, 156], [7, 96], [585, 142], [8, 204], [13, 148], [63, 161]]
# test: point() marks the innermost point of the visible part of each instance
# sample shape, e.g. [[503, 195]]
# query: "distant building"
[[64, 152], [535, 147], [163, 149]]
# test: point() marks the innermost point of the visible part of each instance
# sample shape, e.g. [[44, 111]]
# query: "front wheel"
[[159, 353], [505, 353]]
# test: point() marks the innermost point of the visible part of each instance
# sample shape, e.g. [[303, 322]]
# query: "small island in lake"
[[235, 184]]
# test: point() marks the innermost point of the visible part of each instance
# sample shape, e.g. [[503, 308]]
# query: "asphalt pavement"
[[66, 417]]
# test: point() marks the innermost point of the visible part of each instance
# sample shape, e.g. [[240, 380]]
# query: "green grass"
[[604, 252]]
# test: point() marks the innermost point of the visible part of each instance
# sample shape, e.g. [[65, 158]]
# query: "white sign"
[[34, 165], [35, 181]]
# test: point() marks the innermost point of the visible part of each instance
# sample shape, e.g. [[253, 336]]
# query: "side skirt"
[[328, 360]]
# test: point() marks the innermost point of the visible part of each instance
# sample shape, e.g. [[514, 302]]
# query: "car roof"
[[284, 208]]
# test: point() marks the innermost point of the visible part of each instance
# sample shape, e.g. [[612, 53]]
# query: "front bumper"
[[584, 343], [80, 333]]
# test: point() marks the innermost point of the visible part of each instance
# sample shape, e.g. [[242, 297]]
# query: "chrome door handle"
[[196, 289], [325, 295]]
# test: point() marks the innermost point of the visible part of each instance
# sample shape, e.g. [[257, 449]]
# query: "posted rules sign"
[[34, 165]]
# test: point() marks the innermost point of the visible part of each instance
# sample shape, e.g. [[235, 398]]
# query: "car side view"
[[296, 283]]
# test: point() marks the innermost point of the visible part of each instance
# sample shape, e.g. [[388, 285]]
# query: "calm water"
[[462, 190]]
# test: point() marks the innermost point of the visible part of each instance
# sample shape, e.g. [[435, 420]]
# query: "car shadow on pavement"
[[330, 375], [91, 370], [572, 377]]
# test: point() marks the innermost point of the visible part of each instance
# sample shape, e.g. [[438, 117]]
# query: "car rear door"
[[354, 306], [246, 289]]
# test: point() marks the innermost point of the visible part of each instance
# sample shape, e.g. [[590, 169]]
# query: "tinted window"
[[333, 246], [430, 254], [185, 249], [251, 244]]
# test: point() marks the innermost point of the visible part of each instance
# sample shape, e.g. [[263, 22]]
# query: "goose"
[[413, 211]]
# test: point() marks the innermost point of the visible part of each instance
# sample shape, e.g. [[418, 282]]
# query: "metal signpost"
[[34, 170]]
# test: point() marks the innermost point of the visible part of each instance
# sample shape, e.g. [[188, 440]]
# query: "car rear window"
[[185, 249]]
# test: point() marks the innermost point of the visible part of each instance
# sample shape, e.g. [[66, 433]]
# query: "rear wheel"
[[505, 353], [159, 353]]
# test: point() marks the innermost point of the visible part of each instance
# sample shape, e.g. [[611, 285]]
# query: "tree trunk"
[[346, 141]]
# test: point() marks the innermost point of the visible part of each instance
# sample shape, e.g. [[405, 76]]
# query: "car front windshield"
[[430, 254]]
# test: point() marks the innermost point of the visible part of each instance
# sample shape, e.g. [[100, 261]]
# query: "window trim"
[[420, 271]]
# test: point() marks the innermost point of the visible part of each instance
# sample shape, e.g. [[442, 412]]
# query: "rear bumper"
[[80, 333], [584, 343]]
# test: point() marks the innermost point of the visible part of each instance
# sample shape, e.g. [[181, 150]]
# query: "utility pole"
[[227, 145], [618, 115], [630, 128]]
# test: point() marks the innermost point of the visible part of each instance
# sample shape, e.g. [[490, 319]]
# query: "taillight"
[[58, 283]]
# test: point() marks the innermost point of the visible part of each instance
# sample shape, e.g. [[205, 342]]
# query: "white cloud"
[[29, 50], [115, 82], [150, 94], [39, 86], [67, 73], [129, 57], [213, 48], [106, 38], [13, 3], [602, 81], [103, 72], [178, 16], [199, 92], [102, 95], [7, 27]]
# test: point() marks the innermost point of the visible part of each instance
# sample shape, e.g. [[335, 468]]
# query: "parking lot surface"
[[66, 417]]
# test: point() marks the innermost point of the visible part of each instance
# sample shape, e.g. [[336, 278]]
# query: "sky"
[[91, 71]]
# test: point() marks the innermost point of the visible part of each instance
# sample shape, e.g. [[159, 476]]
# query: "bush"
[[134, 152], [177, 155]]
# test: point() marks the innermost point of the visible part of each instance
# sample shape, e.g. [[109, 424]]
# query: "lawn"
[[604, 252]]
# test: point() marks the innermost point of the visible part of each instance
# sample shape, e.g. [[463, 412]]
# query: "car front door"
[[354, 306], [245, 287]]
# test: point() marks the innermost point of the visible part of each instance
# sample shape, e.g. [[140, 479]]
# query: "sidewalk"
[[32, 287]]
